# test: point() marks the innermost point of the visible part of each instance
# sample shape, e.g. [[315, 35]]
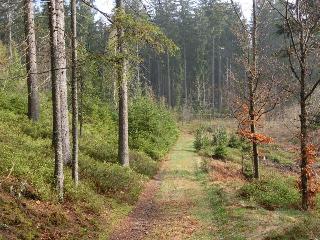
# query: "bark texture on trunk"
[[81, 105], [123, 151], [31, 62], [303, 152], [159, 77], [169, 81], [9, 16], [303, 128], [185, 74], [57, 135], [252, 81], [212, 77], [61, 72], [138, 84], [220, 84], [75, 111]]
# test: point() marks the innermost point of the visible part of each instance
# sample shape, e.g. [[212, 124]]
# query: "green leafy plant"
[[201, 138], [273, 192], [122, 183], [234, 141], [220, 137], [152, 128], [143, 164], [220, 152]]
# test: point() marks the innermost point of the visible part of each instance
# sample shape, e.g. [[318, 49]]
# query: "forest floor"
[[174, 203], [192, 197]]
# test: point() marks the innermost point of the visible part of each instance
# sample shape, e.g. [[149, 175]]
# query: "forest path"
[[173, 205]]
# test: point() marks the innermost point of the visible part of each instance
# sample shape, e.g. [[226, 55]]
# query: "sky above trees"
[[107, 5]]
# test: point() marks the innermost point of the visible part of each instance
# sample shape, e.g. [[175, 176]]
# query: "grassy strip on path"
[[174, 205], [185, 209]]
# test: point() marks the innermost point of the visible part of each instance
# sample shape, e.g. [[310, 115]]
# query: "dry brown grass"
[[224, 171]]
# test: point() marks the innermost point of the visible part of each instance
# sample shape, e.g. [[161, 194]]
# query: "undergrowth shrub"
[[234, 141], [84, 193], [26, 149], [26, 158], [211, 141], [100, 140], [41, 129], [100, 147], [14, 103], [220, 137], [305, 229], [197, 144], [273, 192], [202, 139], [152, 128], [220, 151], [143, 164], [122, 183], [246, 146]]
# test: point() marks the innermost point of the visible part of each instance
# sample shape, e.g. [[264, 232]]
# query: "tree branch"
[[106, 15]]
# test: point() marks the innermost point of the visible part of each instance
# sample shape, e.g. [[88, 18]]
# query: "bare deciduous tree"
[[262, 92], [301, 29]]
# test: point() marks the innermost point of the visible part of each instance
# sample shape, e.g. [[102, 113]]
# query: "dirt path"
[[173, 205]]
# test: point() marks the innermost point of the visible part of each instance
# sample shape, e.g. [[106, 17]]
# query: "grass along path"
[[174, 205], [186, 202]]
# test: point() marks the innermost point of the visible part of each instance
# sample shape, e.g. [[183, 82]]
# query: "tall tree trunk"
[[169, 80], [57, 135], [81, 107], [159, 77], [75, 113], [9, 16], [62, 76], [123, 151], [303, 149], [303, 125], [220, 83], [185, 74], [115, 90], [31, 62], [203, 92], [253, 80], [148, 80], [163, 85], [138, 85], [227, 86], [198, 91], [212, 77]]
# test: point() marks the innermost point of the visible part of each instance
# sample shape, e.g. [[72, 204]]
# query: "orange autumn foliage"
[[313, 184], [255, 137], [244, 126]]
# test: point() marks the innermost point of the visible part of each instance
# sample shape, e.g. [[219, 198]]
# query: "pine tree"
[[75, 113], [31, 62], [123, 151]]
